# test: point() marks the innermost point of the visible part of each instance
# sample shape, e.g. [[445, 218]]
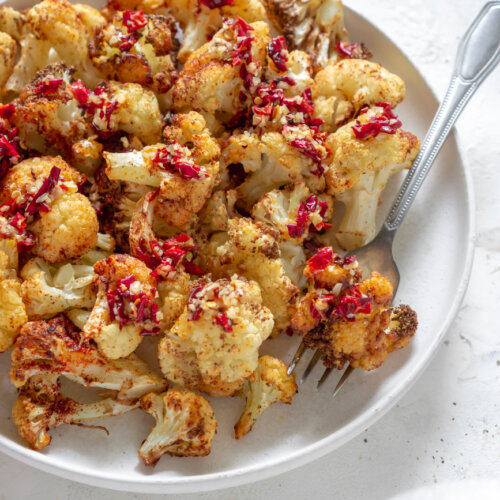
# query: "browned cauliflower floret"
[[314, 26], [40, 406], [216, 78], [136, 47], [12, 22], [298, 215], [66, 226], [275, 160], [184, 169], [48, 290], [55, 347], [253, 252], [353, 153], [347, 319], [8, 52], [340, 90], [213, 346], [57, 22], [125, 309], [185, 425], [269, 384], [12, 312], [48, 116], [90, 17]]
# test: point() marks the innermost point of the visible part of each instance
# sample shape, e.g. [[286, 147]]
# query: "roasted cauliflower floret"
[[48, 115], [136, 47], [347, 319], [12, 312], [185, 425], [125, 309], [40, 406], [314, 26], [340, 90], [269, 384], [57, 22], [55, 347], [216, 78], [275, 160], [68, 230], [12, 22], [43, 192], [8, 52], [48, 290], [253, 252], [184, 174], [127, 107], [90, 17], [213, 346], [372, 142]]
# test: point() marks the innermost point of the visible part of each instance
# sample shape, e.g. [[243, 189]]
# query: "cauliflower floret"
[[340, 90], [253, 252], [55, 347], [48, 116], [352, 157], [130, 108], [138, 48], [90, 17], [9, 253], [216, 76], [185, 175], [12, 22], [35, 55], [213, 346], [57, 22], [12, 312], [275, 160], [86, 156], [8, 50], [218, 210], [48, 290], [125, 309], [347, 319], [40, 406], [296, 214], [68, 230], [314, 26], [185, 425], [269, 384]]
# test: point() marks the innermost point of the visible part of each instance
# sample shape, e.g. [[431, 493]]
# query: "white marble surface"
[[447, 428]]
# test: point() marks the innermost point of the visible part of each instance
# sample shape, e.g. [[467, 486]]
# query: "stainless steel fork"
[[478, 54]]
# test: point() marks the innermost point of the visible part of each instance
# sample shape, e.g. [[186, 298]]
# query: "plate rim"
[[246, 475]]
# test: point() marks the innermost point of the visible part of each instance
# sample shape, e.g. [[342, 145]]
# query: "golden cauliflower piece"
[[40, 406], [8, 50], [361, 146], [12, 22], [55, 347], [184, 169], [349, 320], [136, 47], [213, 346], [216, 77], [185, 425], [48, 116], [57, 22], [314, 26], [125, 309], [269, 384], [12, 312], [91, 18], [253, 252], [340, 90]]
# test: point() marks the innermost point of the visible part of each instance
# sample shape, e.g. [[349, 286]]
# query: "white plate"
[[434, 253]]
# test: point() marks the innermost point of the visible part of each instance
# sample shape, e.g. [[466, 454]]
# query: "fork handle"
[[478, 54]]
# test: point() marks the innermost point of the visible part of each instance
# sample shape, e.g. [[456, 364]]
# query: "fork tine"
[[296, 358], [323, 378], [342, 380], [311, 365]]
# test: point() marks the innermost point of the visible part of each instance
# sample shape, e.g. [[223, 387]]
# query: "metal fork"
[[478, 54]]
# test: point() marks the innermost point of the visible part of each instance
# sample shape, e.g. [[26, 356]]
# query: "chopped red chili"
[[278, 52]]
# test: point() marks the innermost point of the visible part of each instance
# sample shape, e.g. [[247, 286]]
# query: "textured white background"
[[447, 427]]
